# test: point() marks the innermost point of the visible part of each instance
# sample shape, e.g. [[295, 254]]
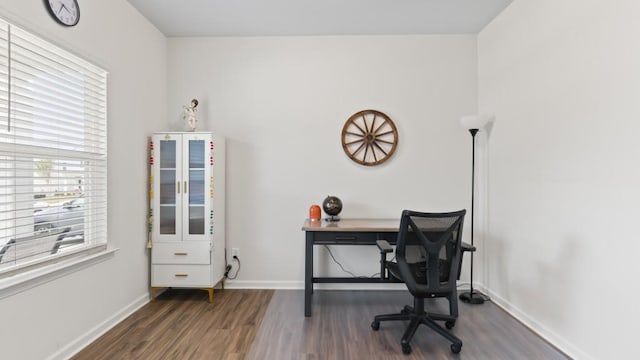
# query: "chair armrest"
[[468, 247], [465, 247], [384, 246]]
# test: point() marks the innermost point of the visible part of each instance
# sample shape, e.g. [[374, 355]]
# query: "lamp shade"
[[475, 121]]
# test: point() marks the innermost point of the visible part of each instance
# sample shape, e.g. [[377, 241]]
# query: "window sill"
[[23, 281]]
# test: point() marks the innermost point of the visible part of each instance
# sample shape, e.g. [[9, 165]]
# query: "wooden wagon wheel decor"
[[369, 137]]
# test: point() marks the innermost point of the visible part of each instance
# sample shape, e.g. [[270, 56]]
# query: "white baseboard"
[[299, 285], [559, 342], [280, 285], [80, 343]]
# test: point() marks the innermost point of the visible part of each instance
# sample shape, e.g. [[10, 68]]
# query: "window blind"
[[53, 152]]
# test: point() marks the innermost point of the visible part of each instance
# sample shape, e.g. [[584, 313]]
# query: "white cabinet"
[[186, 191]]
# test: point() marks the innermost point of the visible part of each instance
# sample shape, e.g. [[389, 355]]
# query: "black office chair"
[[428, 259]]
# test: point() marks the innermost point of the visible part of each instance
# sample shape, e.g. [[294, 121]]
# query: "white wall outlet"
[[235, 252]]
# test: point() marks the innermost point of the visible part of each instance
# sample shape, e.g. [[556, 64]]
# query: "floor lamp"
[[473, 123]]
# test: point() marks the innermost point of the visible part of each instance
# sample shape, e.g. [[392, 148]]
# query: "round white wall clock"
[[65, 12]]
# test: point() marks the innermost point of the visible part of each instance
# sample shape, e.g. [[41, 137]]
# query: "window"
[[53, 152]]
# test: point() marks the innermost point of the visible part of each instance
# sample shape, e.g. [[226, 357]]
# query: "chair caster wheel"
[[450, 324], [406, 349], [456, 348], [375, 325]]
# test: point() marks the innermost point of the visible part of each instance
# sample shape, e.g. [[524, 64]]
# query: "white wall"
[[282, 102], [562, 248], [54, 319]]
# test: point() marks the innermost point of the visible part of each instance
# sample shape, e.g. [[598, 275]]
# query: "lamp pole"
[[472, 296]]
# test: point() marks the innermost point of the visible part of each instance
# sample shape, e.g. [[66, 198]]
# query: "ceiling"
[[188, 18]]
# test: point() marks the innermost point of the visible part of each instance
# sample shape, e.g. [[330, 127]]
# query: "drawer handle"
[[182, 275], [180, 253], [346, 238]]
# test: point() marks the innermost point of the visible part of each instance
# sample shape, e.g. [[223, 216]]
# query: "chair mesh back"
[[428, 251]]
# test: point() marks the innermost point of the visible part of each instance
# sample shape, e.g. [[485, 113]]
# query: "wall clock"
[[369, 137], [65, 12]]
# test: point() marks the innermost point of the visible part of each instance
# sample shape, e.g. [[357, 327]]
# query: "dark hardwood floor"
[[182, 324], [340, 328], [268, 324]]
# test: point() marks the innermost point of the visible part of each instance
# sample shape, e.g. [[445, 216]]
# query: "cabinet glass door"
[[196, 186], [168, 187]]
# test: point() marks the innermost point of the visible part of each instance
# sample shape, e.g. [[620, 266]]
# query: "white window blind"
[[53, 152]]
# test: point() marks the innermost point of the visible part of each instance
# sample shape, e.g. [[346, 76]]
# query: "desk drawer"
[[348, 238], [181, 275]]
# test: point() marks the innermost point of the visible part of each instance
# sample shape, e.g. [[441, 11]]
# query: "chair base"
[[420, 317], [473, 297]]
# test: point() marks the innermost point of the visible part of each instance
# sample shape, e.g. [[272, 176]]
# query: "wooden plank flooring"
[[182, 324], [263, 324], [340, 328]]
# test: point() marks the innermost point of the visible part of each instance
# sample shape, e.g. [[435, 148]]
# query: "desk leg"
[[308, 273]]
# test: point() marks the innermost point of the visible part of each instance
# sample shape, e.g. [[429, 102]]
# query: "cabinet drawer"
[[181, 253], [181, 275]]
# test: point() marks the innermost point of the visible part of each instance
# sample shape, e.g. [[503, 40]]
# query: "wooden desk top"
[[363, 225]]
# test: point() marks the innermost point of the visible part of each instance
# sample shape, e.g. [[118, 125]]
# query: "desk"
[[347, 232], [343, 232]]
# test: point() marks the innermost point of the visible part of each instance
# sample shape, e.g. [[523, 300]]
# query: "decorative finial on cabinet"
[[190, 114]]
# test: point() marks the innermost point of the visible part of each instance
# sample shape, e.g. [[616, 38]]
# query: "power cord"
[[345, 270], [229, 269]]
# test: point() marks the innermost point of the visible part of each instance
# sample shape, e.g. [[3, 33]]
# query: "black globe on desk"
[[332, 207]]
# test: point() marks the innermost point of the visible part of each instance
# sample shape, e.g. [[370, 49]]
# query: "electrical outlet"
[[235, 252]]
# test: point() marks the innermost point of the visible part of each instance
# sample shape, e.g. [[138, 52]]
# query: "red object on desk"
[[314, 213]]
